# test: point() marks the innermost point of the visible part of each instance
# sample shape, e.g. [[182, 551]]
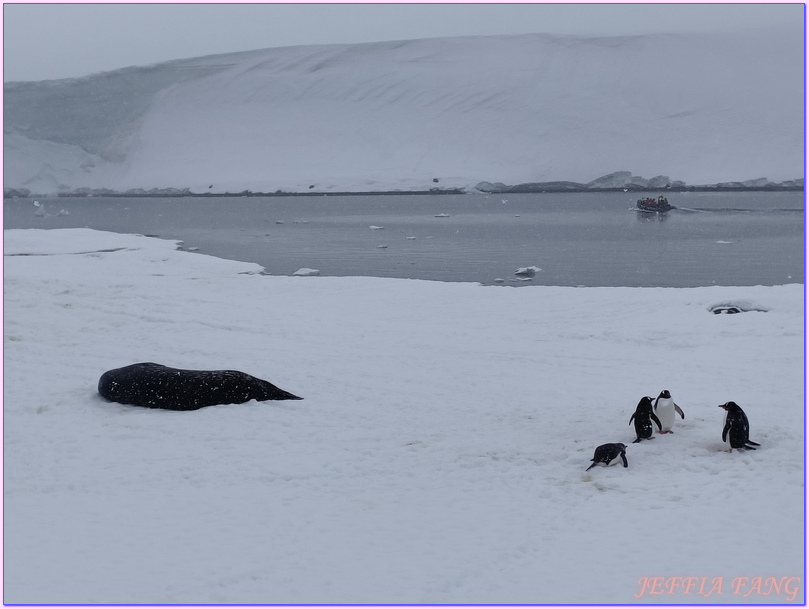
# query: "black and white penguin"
[[664, 408], [736, 431], [609, 454], [644, 415]]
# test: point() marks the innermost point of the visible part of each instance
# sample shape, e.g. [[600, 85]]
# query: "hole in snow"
[[740, 306]]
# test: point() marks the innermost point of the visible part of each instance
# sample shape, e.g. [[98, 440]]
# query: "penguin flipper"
[[623, 458], [725, 432], [679, 411], [592, 466], [656, 420], [638, 439], [753, 443]]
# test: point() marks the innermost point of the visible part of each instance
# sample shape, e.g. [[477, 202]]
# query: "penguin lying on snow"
[[736, 431], [643, 420], [609, 454], [664, 408]]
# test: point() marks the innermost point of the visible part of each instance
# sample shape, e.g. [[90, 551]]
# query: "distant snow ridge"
[[473, 113]]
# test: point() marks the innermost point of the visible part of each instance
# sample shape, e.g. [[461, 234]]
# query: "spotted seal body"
[[157, 386]]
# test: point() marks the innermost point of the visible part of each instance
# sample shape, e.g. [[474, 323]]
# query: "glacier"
[[467, 113]]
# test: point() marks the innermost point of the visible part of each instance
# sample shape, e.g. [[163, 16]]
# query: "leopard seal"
[[158, 386]]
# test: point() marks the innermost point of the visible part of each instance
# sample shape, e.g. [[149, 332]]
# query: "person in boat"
[[662, 201]]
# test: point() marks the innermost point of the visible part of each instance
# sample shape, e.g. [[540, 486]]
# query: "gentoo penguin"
[[664, 408], [643, 420], [608, 454], [736, 431]]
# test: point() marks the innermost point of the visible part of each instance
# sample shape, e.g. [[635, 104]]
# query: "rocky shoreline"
[[614, 182]]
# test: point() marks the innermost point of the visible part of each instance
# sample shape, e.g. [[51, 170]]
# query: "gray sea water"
[[581, 239]]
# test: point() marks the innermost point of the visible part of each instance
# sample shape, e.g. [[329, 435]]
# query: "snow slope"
[[420, 114], [439, 454]]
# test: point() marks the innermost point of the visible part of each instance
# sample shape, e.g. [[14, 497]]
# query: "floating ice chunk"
[[442, 215], [372, 227], [527, 271], [304, 272]]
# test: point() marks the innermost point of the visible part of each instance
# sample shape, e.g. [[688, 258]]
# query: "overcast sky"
[[47, 41]]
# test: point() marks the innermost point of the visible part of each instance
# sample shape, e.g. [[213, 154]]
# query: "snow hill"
[[420, 114]]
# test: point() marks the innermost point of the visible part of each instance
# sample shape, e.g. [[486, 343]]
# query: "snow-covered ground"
[[419, 114], [439, 454]]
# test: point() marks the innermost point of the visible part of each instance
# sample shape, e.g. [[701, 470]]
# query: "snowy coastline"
[[761, 185], [439, 453], [445, 113]]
